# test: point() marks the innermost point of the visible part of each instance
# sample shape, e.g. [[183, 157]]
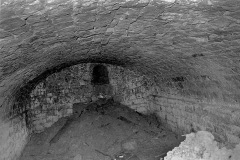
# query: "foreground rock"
[[202, 146]]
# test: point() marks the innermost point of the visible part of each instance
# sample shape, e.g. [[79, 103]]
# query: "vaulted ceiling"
[[197, 40]]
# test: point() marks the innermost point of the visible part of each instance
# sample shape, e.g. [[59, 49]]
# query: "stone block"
[[159, 99], [152, 107], [188, 116], [195, 118], [160, 108], [38, 128], [176, 111], [169, 110], [182, 113], [142, 109], [132, 97], [180, 106], [49, 124], [189, 108], [171, 101], [171, 118]]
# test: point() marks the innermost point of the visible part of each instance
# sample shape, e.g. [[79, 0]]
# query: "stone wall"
[[14, 133], [54, 97], [13, 138], [131, 88], [180, 111], [185, 115], [165, 38]]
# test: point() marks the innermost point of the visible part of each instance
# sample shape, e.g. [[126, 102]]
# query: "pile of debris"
[[202, 146]]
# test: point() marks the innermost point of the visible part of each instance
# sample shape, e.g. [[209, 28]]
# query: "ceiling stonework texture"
[[195, 39]]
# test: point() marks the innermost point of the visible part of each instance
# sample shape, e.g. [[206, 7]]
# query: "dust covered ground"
[[102, 131]]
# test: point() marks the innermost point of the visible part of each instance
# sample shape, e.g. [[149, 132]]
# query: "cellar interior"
[[128, 79]]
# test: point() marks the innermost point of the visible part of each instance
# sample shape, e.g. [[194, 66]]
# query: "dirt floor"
[[102, 131]]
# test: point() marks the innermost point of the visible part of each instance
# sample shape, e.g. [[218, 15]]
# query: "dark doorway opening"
[[100, 75]]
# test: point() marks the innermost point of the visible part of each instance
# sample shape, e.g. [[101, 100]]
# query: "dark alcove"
[[100, 75]]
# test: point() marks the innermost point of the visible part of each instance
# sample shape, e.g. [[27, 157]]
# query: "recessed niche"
[[100, 75]]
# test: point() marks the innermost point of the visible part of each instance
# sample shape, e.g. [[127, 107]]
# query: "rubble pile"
[[202, 146]]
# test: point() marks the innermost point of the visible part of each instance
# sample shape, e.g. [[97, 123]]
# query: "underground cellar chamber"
[[129, 79], [104, 111]]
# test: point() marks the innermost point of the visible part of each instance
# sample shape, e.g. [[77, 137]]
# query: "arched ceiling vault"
[[164, 38]]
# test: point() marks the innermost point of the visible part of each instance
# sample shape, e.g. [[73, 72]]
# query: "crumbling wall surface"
[[202, 146]]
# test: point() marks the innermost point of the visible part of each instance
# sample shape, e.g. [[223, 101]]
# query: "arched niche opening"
[[100, 75], [100, 81]]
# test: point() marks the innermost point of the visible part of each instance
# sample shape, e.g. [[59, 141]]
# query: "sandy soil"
[[104, 131]]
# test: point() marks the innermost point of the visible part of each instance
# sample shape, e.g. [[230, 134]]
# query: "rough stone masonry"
[[188, 48]]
